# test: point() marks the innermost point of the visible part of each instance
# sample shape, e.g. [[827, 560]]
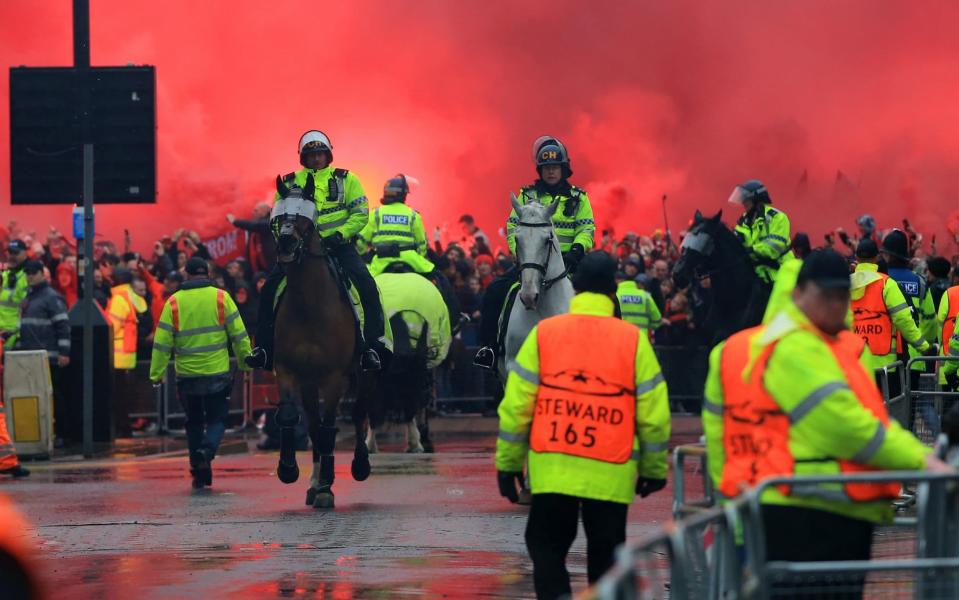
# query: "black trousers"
[[205, 421], [801, 535], [493, 298], [551, 530], [358, 273], [66, 417]]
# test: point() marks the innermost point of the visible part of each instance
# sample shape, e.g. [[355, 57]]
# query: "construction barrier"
[[28, 401]]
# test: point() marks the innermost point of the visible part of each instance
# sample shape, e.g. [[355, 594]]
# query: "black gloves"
[[645, 487], [933, 350], [952, 380], [507, 485], [575, 254], [335, 240]]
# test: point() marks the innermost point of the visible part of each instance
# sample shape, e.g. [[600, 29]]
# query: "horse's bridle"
[[545, 283]]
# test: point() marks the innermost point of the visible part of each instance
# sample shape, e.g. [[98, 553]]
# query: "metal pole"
[[88, 301], [81, 33]]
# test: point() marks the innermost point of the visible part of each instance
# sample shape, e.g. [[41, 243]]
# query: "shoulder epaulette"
[[341, 172], [772, 212], [289, 177]]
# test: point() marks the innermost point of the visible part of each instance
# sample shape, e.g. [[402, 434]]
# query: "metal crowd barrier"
[[927, 407], [897, 406], [682, 505], [719, 553]]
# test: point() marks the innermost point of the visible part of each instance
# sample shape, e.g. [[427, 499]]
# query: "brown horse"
[[316, 347]]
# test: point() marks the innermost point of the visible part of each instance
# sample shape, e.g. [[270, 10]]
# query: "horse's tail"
[[408, 371]]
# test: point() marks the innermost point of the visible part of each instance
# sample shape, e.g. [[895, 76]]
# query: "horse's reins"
[[546, 283]]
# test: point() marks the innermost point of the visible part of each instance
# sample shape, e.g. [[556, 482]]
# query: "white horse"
[[545, 290]]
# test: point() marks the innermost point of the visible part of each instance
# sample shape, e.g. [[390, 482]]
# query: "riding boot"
[[261, 356], [374, 328], [493, 299]]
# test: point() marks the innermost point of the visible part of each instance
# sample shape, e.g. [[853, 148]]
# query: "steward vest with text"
[[871, 320], [949, 325], [756, 430], [586, 404]]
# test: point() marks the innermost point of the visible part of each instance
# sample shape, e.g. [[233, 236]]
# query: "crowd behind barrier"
[[717, 552]]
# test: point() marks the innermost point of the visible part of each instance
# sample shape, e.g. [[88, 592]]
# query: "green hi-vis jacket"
[[637, 306], [577, 227], [13, 289], [827, 421], [342, 208], [418, 301], [396, 234], [196, 325], [767, 238], [556, 473], [898, 308]]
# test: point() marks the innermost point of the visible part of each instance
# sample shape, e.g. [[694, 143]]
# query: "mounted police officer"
[[396, 233], [763, 230], [342, 207], [574, 225], [197, 325]]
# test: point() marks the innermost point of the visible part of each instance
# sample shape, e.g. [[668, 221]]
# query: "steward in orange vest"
[[793, 397], [594, 425], [123, 308]]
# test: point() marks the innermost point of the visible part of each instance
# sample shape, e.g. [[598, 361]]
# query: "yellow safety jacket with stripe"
[[558, 473], [196, 325], [573, 219], [948, 332], [340, 200], [11, 297], [766, 236], [897, 306], [637, 306], [123, 307], [396, 234], [827, 420]]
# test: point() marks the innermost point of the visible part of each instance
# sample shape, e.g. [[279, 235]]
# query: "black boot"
[[257, 358], [370, 360], [485, 358], [16, 472]]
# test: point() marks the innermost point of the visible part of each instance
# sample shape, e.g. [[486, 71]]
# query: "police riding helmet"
[[896, 244], [548, 150], [752, 190], [396, 189], [314, 141]]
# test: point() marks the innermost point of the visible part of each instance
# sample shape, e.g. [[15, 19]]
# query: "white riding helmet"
[[315, 141]]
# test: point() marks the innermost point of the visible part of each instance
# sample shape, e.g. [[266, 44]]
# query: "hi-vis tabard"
[[871, 319], [756, 430], [586, 405], [949, 325]]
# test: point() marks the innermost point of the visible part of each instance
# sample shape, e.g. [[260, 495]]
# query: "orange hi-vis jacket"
[[949, 323], [871, 318], [756, 429], [586, 404]]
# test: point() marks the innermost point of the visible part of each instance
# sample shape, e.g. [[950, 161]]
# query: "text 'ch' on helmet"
[[547, 150], [314, 141], [396, 189], [752, 190]]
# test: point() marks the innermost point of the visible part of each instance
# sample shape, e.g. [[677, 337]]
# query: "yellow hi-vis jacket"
[[637, 306], [418, 301], [898, 308], [340, 200], [828, 422], [767, 237], [123, 308], [947, 313], [197, 324], [397, 235], [557, 473], [13, 289], [577, 227]]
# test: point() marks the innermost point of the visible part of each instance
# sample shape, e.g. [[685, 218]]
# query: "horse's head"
[[293, 220], [698, 248], [535, 244]]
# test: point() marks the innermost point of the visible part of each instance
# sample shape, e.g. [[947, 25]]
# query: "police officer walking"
[[197, 325], [595, 427], [574, 225], [792, 397]]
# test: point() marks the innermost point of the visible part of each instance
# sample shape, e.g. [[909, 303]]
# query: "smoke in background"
[[842, 108]]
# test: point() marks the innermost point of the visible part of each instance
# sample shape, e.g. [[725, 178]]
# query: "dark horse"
[[315, 349], [737, 295]]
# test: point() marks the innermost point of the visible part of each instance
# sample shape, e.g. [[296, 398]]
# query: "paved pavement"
[[421, 526]]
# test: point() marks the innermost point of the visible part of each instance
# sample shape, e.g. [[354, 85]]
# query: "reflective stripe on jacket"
[[45, 324], [948, 334], [197, 325], [766, 235], [11, 298], [637, 306], [554, 472], [340, 200], [895, 305], [396, 233], [575, 228], [816, 383]]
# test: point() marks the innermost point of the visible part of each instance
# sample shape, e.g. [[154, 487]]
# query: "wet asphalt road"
[[428, 525]]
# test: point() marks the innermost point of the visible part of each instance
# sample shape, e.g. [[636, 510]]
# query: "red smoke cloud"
[[677, 98]]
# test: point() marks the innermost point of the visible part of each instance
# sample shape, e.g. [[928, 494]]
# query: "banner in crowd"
[[226, 246]]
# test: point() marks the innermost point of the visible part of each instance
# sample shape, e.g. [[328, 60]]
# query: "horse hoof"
[[416, 450], [310, 496], [288, 473], [323, 500], [360, 469]]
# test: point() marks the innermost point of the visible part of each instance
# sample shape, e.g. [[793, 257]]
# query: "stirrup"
[[485, 358], [370, 360], [256, 359]]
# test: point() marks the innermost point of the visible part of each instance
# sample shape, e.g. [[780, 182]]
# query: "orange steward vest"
[[586, 405], [871, 320], [756, 430], [949, 325]]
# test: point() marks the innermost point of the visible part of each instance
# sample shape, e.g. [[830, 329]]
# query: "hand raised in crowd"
[[230, 218]]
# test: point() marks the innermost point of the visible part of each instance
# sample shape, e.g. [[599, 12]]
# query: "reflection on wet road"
[[422, 525]]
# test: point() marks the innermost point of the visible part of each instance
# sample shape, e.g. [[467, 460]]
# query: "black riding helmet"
[[396, 189], [548, 150], [596, 273], [753, 190]]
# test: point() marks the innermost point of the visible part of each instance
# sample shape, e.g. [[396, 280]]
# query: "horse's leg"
[[311, 406], [424, 430], [413, 444], [287, 417], [365, 442], [324, 442]]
